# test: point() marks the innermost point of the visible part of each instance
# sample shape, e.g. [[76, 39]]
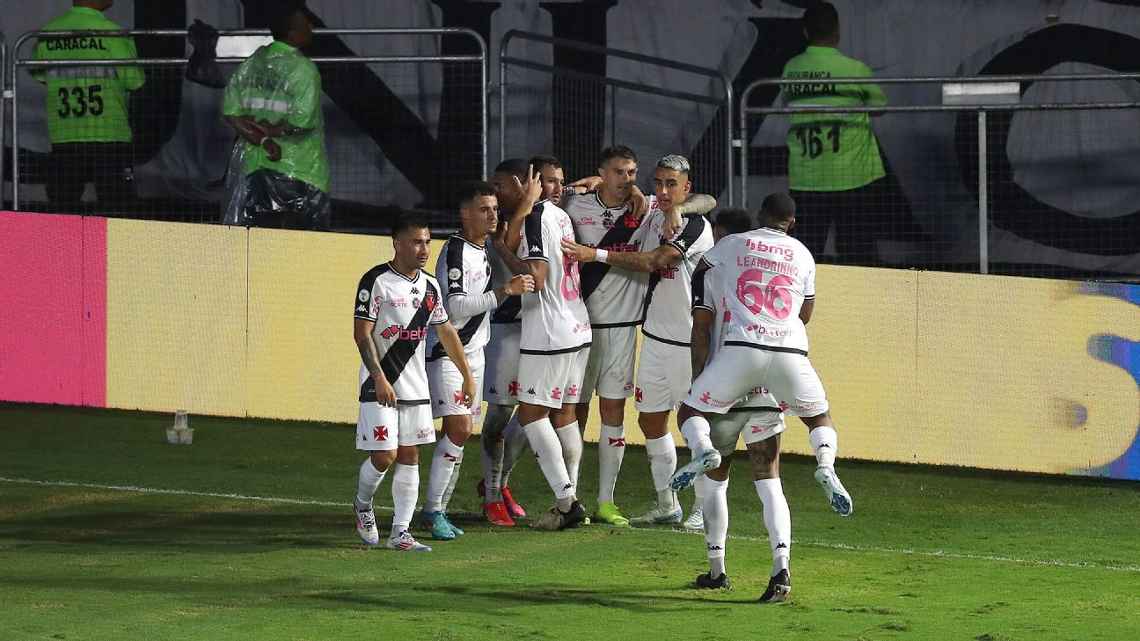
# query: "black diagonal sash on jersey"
[[396, 358], [465, 333], [507, 311], [694, 227], [591, 274]]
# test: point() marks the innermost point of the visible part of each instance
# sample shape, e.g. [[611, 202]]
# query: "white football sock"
[[611, 450], [662, 454], [778, 520], [405, 491], [515, 443], [367, 482], [442, 465], [699, 492], [571, 440], [715, 508], [696, 431], [548, 450], [825, 444], [451, 485]]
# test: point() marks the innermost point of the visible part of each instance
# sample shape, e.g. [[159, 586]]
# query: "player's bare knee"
[[765, 459], [408, 455], [612, 410], [684, 413], [653, 424], [382, 459], [457, 428], [721, 473]]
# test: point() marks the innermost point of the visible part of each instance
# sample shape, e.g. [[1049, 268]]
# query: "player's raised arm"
[[529, 194]]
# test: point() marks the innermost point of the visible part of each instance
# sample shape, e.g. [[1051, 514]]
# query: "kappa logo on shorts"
[[783, 406], [451, 457], [757, 429], [572, 390], [617, 442], [492, 390], [458, 396], [556, 393], [513, 389], [380, 433], [530, 391], [639, 395]]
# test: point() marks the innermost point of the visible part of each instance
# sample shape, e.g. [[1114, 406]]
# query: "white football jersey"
[[402, 309], [614, 297], [710, 292], [464, 267], [770, 275], [554, 320], [667, 303]]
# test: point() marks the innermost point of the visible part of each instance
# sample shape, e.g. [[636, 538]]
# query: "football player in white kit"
[[502, 438], [553, 348], [395, 303], [769, 278], [610, 218], [469, 299], [662, 372], [726, 222], [756, 417]]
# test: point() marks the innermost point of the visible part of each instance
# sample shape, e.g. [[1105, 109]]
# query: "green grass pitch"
[[87, 553]]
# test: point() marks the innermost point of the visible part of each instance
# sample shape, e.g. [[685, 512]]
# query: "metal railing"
[[725, 101], [18, 62], [985, 145]]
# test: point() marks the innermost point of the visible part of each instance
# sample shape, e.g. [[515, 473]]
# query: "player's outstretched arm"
[[696, 204], [362, 332], [453, 347], [700, 204], [660, 258]]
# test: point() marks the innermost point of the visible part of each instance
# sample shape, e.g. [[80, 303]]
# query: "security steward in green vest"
[[835, 172], [87, 111]]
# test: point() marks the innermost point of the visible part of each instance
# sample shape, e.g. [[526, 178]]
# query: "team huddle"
[[534, 307]]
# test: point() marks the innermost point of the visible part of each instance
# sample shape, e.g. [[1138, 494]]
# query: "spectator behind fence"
[[835, 171], [87, 111], [273, 101]]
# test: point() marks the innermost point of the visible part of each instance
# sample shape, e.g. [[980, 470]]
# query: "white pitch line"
[[937, 554]]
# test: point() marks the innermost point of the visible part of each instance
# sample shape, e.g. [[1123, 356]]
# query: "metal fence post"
[[983, 198]]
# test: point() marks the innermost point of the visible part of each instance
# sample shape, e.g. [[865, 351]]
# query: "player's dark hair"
[[469, 190], [616, 151], [410, 220], [514, 167], [542, 160], [777, 207], [734, 220], [281, 18], [821, 21]]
